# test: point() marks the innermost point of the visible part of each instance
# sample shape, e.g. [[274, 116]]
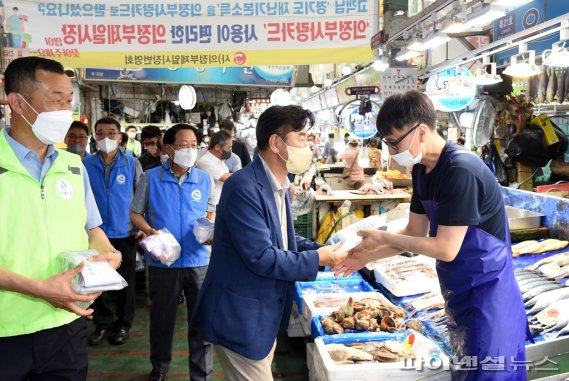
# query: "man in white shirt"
[[213, 161]]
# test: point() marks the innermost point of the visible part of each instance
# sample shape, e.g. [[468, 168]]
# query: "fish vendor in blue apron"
[[457, 216]]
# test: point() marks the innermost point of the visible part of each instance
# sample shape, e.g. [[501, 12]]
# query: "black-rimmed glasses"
[[393, 144]]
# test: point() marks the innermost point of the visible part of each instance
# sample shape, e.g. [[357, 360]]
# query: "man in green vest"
[[47, 208]]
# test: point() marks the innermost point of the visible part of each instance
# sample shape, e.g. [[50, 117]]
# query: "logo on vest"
[[121, 179], [196, 195], [64, 189]]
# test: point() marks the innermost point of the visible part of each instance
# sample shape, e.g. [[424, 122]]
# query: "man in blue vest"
[[113, 178], [174, 196]]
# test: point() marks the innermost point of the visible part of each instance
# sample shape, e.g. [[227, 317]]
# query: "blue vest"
[[113, 202], [177, 208]]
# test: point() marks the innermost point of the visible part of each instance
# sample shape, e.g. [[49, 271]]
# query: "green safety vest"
[[37, 223]]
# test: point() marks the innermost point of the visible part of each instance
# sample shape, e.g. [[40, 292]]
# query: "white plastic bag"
[[203, 230], [96, 276], [162, 247]]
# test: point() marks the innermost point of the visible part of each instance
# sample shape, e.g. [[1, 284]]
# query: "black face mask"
[[225, 155]]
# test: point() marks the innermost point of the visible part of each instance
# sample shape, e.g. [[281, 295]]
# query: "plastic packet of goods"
[[203, 230], [162, 247], [96, 276], [348, 236]]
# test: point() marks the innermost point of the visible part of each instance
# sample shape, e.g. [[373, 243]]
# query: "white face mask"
[[107, 145], [50, 127], [405, 158], [131, 134], [299, 159], [164, 158], [186, 157]]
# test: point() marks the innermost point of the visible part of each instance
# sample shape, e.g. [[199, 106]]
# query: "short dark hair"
[[81, 125], [107, 120], [226, 124], [130, 127], [331, 135], [20, 75], [373, 141], [281, 120], [170, 134], [149, 132], [124, 139], [220, 137], [400, 111], [461, 140]]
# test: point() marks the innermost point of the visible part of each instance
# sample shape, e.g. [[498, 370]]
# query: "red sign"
[[362, 90], [377, 40]]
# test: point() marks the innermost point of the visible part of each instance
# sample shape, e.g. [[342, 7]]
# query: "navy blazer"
[[248, 290]]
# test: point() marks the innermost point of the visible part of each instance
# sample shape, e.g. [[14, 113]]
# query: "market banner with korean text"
[[195, 33]]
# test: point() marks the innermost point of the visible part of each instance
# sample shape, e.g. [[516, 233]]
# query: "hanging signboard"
[[358, 125], [398, 80], [450, 91], [181, 33], [280, 76], [362, 90]]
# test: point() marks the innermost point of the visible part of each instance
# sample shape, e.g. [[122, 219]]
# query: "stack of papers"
[[99, 276]]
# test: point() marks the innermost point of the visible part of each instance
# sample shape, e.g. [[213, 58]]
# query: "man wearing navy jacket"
[[113, 178], [256, 257]]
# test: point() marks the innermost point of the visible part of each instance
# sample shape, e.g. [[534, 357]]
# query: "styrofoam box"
[[327, 369], [310, 310], [418, 285]]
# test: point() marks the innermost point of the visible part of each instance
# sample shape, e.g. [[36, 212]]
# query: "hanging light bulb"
[[187, 97], [482, 78], [314, 89], [327, 82], [280, 97], [557, 56], [522, 69], [346, 70]]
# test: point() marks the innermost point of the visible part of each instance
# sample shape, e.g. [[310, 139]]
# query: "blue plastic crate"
[[329, 276], [329, 287]]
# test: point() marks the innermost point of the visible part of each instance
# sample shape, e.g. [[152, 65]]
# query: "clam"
[[331, 327], [388, 324], [349, 323]]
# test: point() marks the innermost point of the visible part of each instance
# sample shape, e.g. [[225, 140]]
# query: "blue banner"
[[274, 76]]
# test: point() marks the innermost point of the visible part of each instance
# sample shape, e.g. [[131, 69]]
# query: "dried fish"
[[551, 86], [561, 90], [542, 88], [539, 247], [530, 286], [556, 316], [543, 261]]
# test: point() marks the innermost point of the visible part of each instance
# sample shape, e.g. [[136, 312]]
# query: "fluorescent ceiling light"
[[415, 44], [346, 70], [406, 55], [484, 16], [454, 27], [511, 3], [434, 40]]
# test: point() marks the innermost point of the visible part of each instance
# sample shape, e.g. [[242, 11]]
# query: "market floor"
[[131, 360]]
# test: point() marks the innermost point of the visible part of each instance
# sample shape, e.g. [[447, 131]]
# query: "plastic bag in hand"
[[203, 230], [162, 247]]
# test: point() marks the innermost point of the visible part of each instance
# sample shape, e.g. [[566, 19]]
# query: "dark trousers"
[[104, 316], [165, 287], [52, 354]]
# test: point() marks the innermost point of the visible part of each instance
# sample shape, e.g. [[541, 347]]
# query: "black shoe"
[[156, 376], [97, 336], [120, 336]]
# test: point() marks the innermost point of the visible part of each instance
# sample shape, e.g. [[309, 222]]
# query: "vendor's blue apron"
[[487, 321]]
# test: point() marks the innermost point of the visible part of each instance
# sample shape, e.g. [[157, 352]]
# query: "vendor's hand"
[[352, 263], [58, 292], [328, 255], [151, 231], [113, 257], [140, 235], [305, 184], [292, 191], [371, 240]]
